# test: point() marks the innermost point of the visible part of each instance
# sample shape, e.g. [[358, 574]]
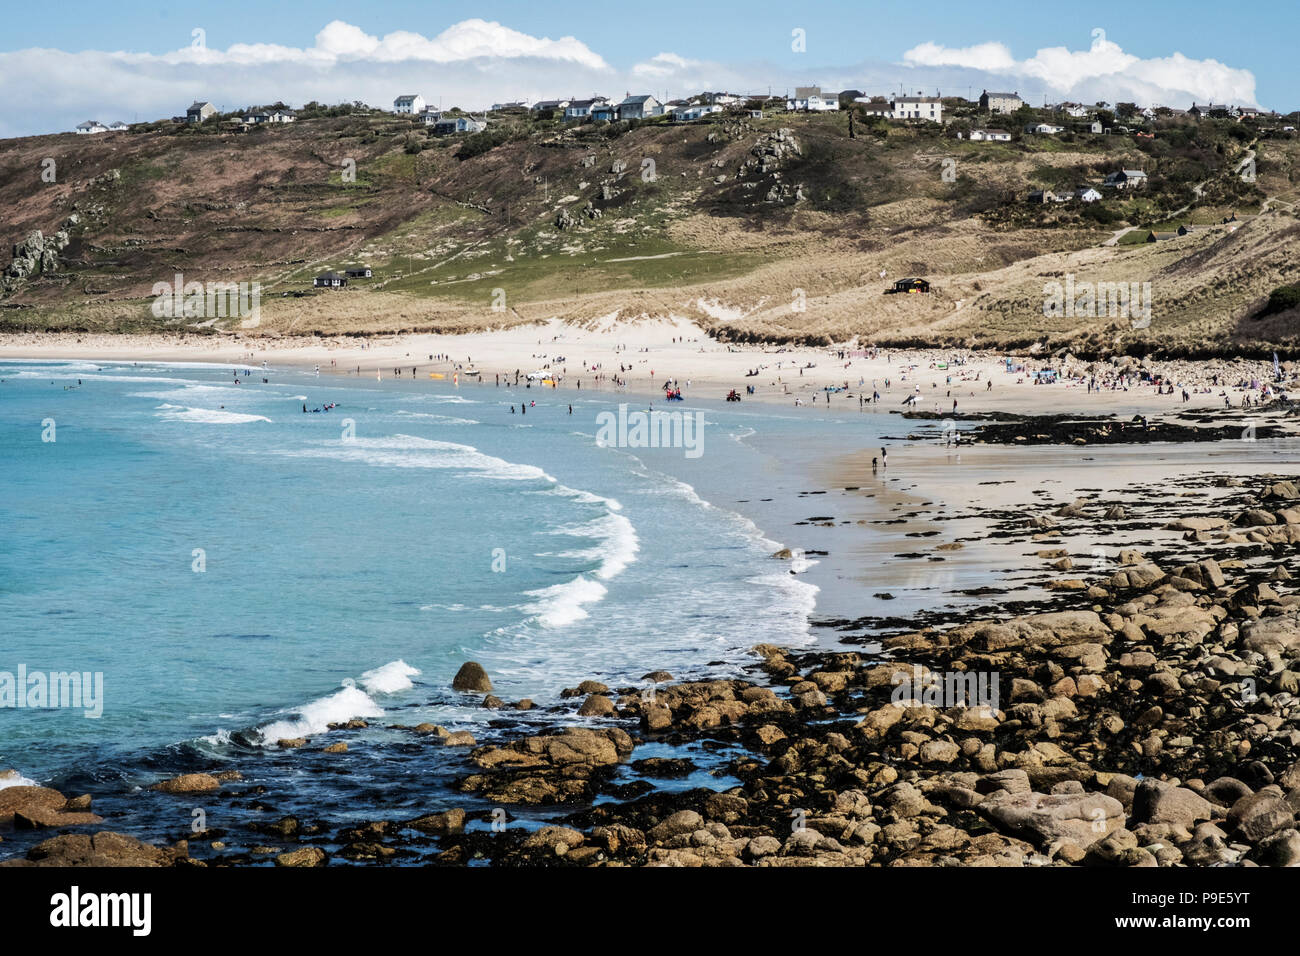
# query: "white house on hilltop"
[[811, 99], [410, 103], [1126, 179], [639, 107], [918, 107], [449, 125], [579, 110], [199, 111], [686, 114], [91, 126], [1000, 102], [929, 108]]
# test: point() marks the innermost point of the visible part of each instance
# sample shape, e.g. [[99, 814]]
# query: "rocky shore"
[[1275, 420], [1150, 718]]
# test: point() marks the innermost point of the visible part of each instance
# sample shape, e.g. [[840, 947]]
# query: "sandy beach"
[[651, 353]]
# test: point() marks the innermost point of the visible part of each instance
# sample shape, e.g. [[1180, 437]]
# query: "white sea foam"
[[17, 780], [449, 399], [62, 376], [348, 702], [208, 393], [562, 604], [389, 679], [314, 718], [441, 419], [206, 416], [408, 451], [618, 546]]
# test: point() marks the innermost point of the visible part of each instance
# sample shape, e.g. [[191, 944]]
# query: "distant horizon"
[[141, 67]]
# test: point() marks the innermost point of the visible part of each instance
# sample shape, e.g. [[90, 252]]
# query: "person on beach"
[[884, 457]]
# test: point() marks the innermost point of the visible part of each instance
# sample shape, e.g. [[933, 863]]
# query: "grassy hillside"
[[776, 229]]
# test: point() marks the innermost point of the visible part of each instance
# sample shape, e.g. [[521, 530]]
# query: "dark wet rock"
[[104, 849], [597, 705], [472, 678], [36, 807], [187, 783], [305, 857], [448, 821]]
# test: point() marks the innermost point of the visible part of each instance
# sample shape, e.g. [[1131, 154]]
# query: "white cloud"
[[664, 64], [342, 42], [475, 63], [472, 63], [984, 56], [1103, 71]]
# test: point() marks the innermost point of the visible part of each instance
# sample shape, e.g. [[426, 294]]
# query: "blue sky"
[[1243, 53]]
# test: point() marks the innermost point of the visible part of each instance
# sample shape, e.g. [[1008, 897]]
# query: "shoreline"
[[1092, 718], [653, 352]]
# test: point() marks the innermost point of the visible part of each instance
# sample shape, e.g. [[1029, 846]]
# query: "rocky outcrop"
[[38, 254], [100, 850], [36, 807], [472, 678]]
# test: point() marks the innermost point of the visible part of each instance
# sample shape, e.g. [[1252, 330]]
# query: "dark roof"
[[330, 275]]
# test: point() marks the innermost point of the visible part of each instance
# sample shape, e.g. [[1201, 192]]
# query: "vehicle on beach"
[[733, 396]]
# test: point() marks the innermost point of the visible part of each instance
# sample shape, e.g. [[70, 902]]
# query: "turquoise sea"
[[240, 571]]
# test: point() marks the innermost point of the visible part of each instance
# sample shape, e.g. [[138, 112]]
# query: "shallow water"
[[239, 571]]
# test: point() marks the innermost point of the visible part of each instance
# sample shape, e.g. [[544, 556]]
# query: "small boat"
[[471, 373], [436, 375]]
